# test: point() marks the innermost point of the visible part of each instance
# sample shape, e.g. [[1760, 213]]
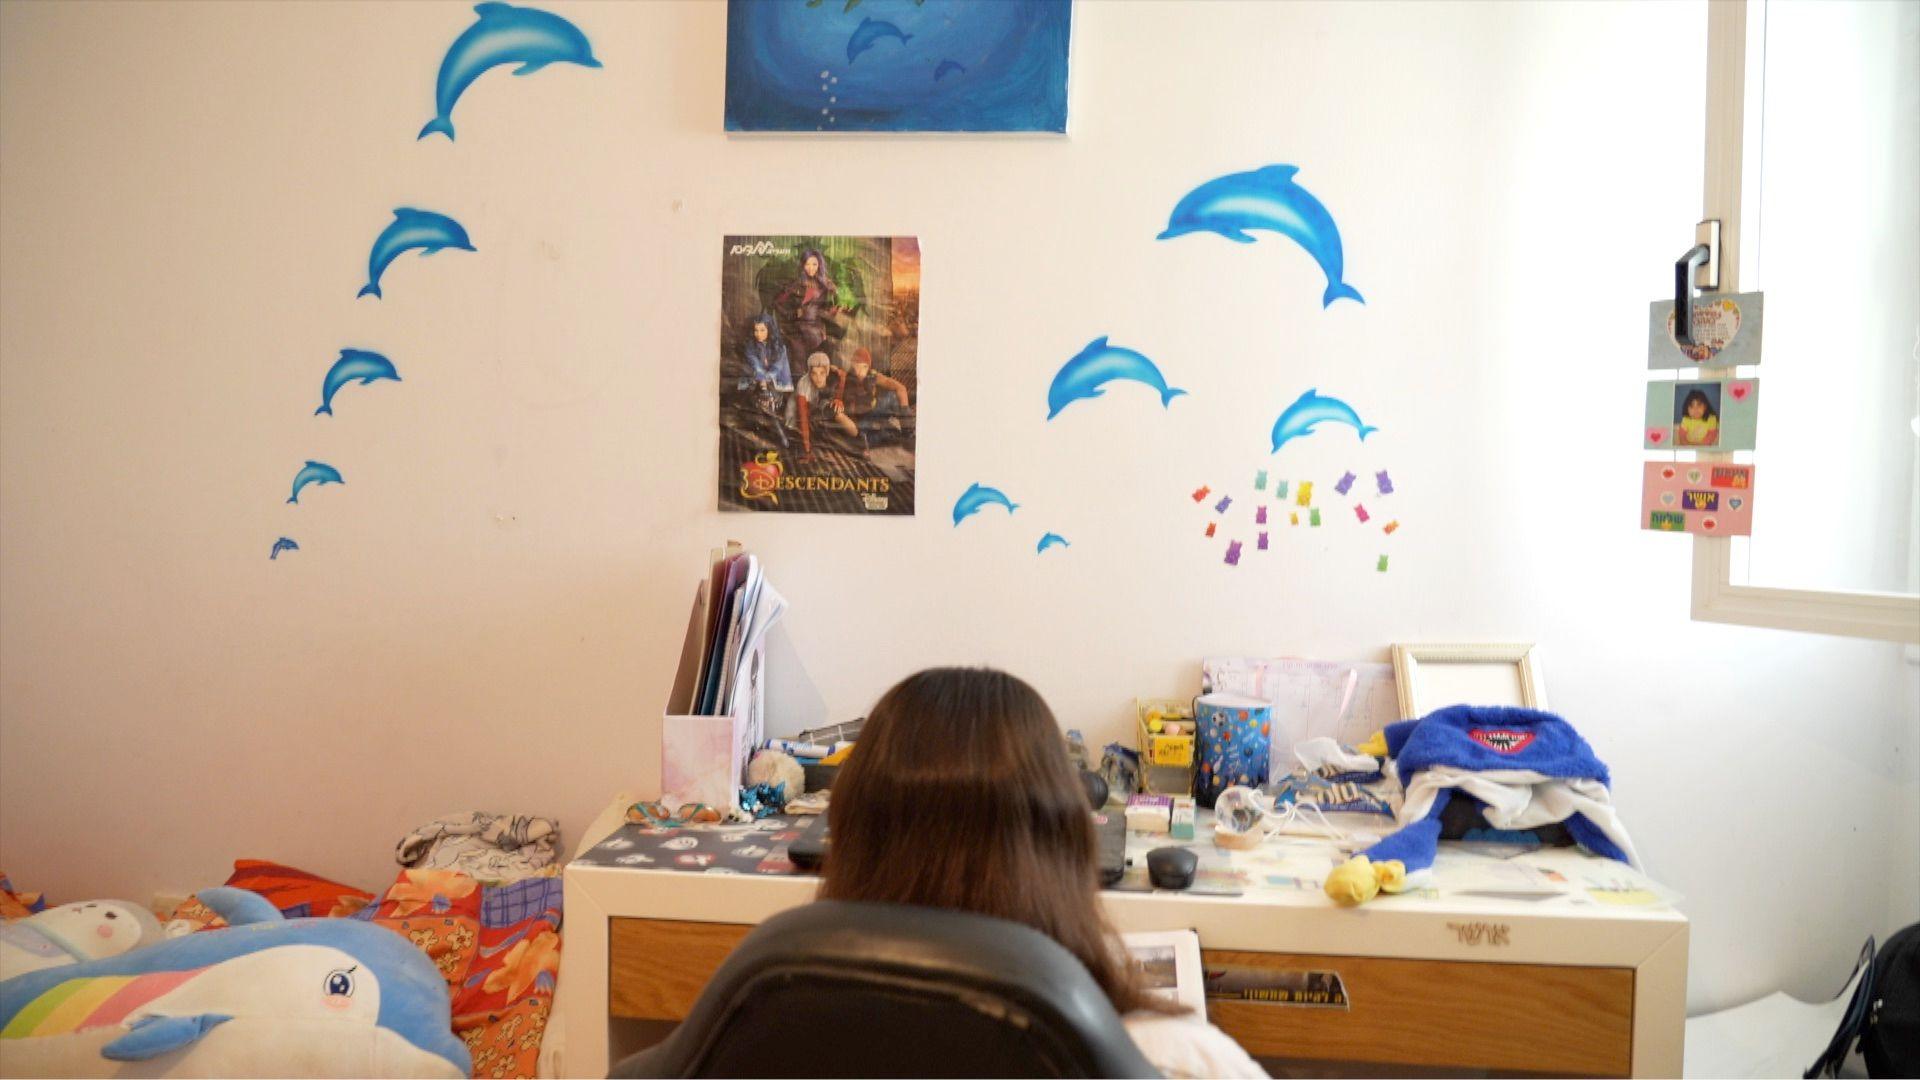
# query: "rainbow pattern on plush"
[[1529, 768]]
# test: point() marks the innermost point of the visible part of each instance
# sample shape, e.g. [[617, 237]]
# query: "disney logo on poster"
[[764, 247], [1482, 933], [760, 478]]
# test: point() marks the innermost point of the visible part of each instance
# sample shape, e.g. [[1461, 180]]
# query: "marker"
[[799, 749]]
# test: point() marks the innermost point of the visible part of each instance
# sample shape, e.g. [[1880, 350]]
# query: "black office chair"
[[849, 989]]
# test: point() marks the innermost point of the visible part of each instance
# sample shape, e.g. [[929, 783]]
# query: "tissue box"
[[1182, 826], [1149, 813]]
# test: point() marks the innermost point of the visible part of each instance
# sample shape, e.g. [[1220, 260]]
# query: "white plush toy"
[[75, 933]]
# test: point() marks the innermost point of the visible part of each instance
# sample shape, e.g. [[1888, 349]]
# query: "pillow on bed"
[[297, 893]]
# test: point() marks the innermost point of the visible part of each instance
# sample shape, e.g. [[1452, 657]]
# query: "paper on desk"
[[1775, 1036], [1471, 873], [764, 608]]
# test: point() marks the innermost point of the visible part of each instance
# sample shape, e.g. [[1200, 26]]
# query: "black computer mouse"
[[1172, 867]]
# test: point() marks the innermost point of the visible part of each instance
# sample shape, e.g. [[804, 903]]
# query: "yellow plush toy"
[[1359, 879]]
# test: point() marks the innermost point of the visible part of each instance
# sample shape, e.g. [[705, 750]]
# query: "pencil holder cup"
[[1235, 743]]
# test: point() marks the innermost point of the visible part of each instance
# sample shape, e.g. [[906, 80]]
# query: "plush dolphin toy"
[[265, 997]]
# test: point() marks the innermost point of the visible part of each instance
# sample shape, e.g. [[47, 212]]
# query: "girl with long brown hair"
[[959, 795]]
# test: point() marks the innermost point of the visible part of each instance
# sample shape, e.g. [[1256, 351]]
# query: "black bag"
[[1891, 1041], [1882, 1019]]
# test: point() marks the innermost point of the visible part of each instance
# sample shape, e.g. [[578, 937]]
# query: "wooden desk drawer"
[[1524, 1017], [656, 968], [1521, 1017]]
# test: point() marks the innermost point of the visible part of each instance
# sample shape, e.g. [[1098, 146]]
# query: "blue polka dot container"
[[1235, 741]]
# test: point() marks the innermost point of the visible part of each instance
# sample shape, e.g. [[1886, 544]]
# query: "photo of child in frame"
[[1696, 414]]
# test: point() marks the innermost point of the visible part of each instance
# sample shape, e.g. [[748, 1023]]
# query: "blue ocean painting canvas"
[[897, 65]]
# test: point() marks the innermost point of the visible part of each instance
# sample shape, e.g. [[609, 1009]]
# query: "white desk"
[[1564, 985]]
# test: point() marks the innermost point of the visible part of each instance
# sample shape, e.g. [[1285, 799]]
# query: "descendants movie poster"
[[819, 373]]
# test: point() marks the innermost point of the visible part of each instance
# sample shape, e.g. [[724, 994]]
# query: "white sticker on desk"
[[1271, 986]]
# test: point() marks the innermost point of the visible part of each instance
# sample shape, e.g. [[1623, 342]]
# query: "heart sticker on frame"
[[1656, 435], [1735, 502], [1666, 474], [1709, 524], [1693, 476], [1666, 498], [1740, 390]]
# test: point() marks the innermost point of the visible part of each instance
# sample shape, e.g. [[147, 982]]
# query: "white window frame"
[[1889, 616]]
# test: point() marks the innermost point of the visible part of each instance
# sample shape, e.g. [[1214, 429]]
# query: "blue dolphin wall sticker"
[[504, 35], [1310, 410], [869, 33], [1098, 364], [1051, 540], [285, 543], [313, 472], [977, 497], [411, 230], [1269, 200], [353, 364]]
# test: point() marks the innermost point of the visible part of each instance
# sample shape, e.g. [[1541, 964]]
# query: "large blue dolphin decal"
[[977, 497], [411, 230], [313, 472], [1266, 199], [1098, 364], [869, 32], [504, 35], [354, 364], [1311, 409]]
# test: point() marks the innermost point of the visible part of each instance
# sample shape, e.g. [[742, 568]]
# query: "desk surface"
[[1545, 907]]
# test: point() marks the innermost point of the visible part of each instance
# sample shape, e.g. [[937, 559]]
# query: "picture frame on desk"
[[1430, 677]]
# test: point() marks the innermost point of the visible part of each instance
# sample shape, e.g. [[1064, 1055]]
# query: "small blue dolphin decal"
[[411, 230], [1051, 540], [353, 364], [978, 496], [285, 543], [947, 67], [869, 33], [1266, 199], [1312, 409], [1099, 364], [313, 473], [504, 35]]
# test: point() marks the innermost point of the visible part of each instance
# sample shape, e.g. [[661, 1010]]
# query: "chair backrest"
[[853, 989]]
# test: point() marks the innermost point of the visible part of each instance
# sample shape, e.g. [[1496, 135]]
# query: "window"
[[1813, 170]]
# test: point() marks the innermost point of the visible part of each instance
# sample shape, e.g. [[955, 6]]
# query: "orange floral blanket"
[[497, 946]]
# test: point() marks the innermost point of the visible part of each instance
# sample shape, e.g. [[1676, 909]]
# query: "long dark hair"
[[824, 278], [959, 795], [1701, 397]]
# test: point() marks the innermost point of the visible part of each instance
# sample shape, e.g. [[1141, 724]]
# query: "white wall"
[[483, 613]]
